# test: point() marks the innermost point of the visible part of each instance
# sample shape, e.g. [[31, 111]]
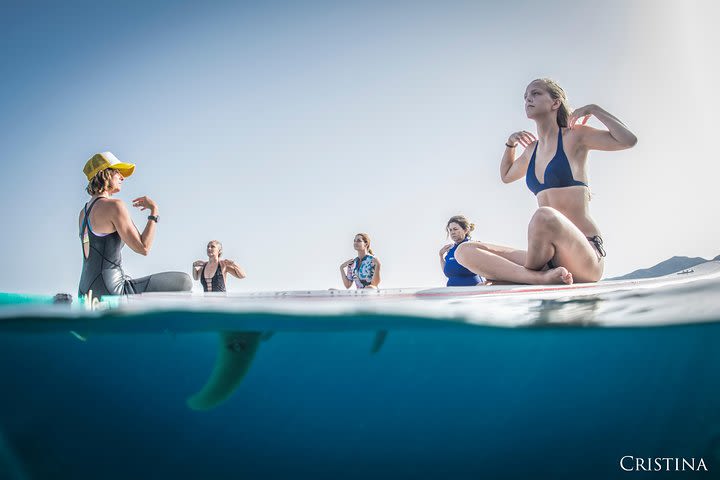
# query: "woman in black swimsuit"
[[212, 274], [106, 226]]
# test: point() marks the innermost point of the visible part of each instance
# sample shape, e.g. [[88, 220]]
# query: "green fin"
[[235, 355]]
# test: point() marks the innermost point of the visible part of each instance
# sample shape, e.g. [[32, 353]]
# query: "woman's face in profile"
[[537, 100], [457, 234], [116, 181], [359, 243]]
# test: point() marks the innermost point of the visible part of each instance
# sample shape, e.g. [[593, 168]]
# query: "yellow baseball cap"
[[101, 161]]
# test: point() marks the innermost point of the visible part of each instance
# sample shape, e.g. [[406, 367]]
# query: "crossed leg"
[[551, 236]]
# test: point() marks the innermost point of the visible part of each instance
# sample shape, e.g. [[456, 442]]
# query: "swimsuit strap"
[[86, 221], [532, 158], [598, 242], [560, 143]]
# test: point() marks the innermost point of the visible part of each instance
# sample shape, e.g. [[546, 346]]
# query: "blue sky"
[[284, 128]]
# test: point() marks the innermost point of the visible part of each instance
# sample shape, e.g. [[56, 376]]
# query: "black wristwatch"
[[154, 218]]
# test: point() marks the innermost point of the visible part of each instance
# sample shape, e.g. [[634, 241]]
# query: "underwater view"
[[364, 393]]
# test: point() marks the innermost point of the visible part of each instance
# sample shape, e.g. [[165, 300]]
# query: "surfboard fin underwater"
[[235, 355], [378, 341]]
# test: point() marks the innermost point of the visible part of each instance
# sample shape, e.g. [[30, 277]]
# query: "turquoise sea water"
[[560, 396]]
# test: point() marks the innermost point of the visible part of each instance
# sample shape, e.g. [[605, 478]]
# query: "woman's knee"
[[465, 250], [186, 283], [170, 282], [545, 219]]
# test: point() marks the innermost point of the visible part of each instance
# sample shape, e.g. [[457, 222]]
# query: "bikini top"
[[557, 173]]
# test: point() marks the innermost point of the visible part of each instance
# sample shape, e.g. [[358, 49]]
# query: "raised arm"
[[234, 269], [343, 273], [617, 136], [197, 268], [443, 252], [120, 217], [512, 168]]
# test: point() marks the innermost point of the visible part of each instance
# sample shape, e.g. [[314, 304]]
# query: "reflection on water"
[[571, 312]]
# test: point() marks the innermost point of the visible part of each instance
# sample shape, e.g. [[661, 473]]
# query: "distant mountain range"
[[671, 265]]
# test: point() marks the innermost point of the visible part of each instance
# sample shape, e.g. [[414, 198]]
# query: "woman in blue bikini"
[[564, 243]]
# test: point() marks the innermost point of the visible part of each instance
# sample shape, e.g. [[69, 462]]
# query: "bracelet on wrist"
[[510, 146]]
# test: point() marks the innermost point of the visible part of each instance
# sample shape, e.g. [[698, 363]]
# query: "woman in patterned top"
[[363, 270], [212, 274]]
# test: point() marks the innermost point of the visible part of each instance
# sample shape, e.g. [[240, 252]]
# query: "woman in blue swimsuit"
[[363, 270], [564, 243], [458, 229]]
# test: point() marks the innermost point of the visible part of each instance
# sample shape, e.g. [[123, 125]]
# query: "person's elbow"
[[628, 140], [142, 250], [505, 178]]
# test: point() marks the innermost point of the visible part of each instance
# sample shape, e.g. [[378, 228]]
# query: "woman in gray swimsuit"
[[106, 226]]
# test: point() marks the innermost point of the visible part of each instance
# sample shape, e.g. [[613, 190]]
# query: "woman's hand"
[[198, 264], [144, 203], [523, 137], [445, 249], [617, 136], [582, 114], [344, 273]]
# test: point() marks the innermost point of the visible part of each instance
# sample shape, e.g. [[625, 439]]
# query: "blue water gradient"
[[465, 402]]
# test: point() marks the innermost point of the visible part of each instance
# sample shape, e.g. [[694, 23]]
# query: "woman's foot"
[[557, 276]]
